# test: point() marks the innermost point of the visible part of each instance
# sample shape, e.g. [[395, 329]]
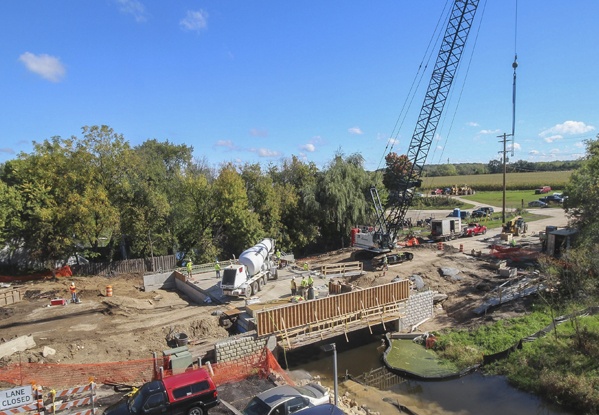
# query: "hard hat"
[[72, 284]]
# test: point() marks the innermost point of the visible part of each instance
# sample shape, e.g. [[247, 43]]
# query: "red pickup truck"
[[189, 393], [542, 189]]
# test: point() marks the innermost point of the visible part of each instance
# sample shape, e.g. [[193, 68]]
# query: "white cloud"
[[48, 67], [255, 132], [568, 128], [310, 148], [7, 150], [265, 152], [472, 124], [579, 144], [514, 146], [489, 131], [355, 130], [534, 152], [555, 151], [393, 141], [195, 21], [552, 138], [134, 8], [225, 143], [439, 147]]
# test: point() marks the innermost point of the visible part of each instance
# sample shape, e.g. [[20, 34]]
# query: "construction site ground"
[[133, 323]]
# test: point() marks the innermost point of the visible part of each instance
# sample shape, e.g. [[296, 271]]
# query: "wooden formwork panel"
[[341, 268], [9, 296], [314, 312]]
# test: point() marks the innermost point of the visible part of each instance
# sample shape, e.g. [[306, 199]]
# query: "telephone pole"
[[504, 137]]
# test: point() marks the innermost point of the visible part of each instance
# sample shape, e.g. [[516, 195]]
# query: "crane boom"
[[448, 59]]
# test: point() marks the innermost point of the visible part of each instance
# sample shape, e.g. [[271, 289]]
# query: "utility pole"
[[503, 157]]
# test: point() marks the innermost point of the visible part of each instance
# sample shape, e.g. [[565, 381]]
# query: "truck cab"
[[189, 393]]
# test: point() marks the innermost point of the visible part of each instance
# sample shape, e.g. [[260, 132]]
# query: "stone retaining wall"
[[418, 307], [240, 346]]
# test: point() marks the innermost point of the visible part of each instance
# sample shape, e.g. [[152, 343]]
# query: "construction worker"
[[385, 262], [303, 286], [310, 282], [278, 255], [293, 287], [73, 291], [217, 269], [306, 267], [189, 266]]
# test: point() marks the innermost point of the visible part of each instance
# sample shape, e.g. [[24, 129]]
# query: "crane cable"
[[514, 65]]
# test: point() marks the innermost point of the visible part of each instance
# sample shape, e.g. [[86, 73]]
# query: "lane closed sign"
[[12, 398]]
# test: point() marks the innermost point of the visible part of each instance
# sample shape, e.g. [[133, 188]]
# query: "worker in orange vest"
[[73, 291]]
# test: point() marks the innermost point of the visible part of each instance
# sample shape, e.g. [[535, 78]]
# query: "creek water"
[[468, 395]]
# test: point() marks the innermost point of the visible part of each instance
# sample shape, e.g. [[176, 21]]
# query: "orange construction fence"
[[133, 372]]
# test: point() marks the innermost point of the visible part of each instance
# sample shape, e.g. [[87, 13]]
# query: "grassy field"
[[513, 198], [514, 181]]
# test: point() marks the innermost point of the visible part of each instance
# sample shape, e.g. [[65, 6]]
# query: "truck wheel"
[[260, 284], [409, 256], [254, 288], [196, 410]]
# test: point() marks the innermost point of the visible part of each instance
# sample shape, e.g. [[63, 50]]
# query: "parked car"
[[552, 199], [286, 399], [475, 229], [479, 213], [538, 203], [464, 214], [190, 393], [324, 409], [542, 189]]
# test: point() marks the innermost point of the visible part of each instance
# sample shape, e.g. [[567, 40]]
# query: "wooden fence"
[[143, 265], [337, 313], [9, 296]]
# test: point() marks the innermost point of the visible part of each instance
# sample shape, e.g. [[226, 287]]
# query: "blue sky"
[[260, 81]]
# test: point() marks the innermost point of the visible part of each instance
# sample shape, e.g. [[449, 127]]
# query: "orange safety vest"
[[73, 289]]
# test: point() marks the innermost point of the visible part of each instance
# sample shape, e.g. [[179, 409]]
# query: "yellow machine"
[[516, 226]]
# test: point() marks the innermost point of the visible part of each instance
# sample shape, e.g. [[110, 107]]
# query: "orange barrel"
[[109, 291], [440, 246], [461, 248]]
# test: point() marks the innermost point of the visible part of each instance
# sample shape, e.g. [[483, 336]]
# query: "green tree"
[[296, 182], [341, 199], [241, 227]]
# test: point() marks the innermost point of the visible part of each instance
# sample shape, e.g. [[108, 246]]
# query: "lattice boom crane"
[[382, 237]]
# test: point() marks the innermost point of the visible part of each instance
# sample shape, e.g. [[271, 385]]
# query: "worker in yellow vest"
[[189, 266], [310, 282], [293, 287], [217, 269], [304, 286]]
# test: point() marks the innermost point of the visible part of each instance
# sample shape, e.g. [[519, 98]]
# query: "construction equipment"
[[446, 229], [256, 266], [382, 236], [515, 226]]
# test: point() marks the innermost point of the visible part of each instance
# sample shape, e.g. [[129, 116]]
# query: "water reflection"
[[471, 394]]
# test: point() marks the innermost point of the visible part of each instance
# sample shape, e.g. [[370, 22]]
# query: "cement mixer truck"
[[255, 268]]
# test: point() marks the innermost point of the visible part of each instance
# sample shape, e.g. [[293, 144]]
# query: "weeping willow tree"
[[340, 197]]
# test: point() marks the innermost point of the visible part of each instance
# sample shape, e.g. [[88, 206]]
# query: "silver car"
[[286, 399]]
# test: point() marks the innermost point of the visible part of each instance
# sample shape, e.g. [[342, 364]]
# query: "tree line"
[[98, 196], [496, 166]]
